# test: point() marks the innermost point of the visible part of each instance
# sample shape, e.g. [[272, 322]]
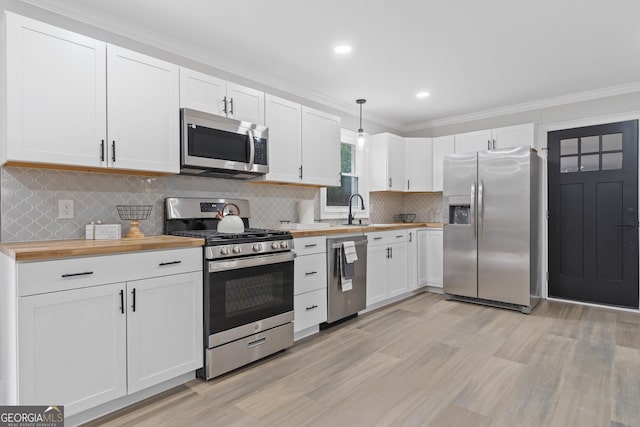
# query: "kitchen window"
[[353, 161]]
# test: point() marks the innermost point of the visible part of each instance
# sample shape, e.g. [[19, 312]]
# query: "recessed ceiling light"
[[342, 49], [422, 94]]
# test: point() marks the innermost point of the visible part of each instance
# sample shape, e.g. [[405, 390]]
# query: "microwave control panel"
[[260, 156]]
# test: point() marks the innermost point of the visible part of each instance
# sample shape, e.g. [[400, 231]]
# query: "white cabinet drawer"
[[310, 245], [387, 237], [310, 273], [73, 273], [310, 309]]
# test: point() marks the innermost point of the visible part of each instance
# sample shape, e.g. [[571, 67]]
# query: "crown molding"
[[80, 12], [527, 106]]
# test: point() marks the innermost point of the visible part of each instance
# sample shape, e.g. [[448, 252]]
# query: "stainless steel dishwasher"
[[345, 304]]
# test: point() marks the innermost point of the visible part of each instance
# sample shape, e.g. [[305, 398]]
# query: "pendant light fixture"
[[360, 130]]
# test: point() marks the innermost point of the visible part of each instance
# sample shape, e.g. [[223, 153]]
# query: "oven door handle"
[[234, 264]]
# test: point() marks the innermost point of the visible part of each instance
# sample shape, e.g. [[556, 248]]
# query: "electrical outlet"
[[65, 209]]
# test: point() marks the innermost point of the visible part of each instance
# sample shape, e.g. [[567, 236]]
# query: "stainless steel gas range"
[[248, 283]]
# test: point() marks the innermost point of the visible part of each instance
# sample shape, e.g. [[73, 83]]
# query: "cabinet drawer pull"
[[399, 237], [312, 307], [122, 301], [85, 273], [310, 273], [162, 264], [313, 245], [256, 343], [377, 238]]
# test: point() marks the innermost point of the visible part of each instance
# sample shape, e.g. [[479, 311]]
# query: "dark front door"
[[593, 214]]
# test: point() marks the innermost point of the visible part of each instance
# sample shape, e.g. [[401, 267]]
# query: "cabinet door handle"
[[102, 150], [408, 184], [84, 273], [113, 151], [122, 301], [133, 304], [300, 171], [410, 236], [488, 144], [390, 181], [224, 100], [310, 273], [387, 253], [162, 264], [231, 106], [494, 144], [313, 245], [312, 307], [391, 252]]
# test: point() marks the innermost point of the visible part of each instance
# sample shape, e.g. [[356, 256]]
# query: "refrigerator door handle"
[[472, 213], [481, 210]]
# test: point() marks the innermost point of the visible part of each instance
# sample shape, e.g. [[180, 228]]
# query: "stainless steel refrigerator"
[[491, 231]]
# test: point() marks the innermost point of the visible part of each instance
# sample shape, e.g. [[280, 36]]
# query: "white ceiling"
[[470, 55]]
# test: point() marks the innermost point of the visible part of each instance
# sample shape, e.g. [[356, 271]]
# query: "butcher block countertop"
[[362, 229], [52, 249]]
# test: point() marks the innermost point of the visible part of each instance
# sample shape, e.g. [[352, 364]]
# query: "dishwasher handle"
[[357, 243]]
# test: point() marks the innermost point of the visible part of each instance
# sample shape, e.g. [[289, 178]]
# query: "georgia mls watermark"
[[32, 416]]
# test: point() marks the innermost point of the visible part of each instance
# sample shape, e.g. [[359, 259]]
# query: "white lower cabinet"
[[435, 250], [94, 341], [430, 257], [72, 347], [310, 285], [164, 328], [386, 265], [412, 260]]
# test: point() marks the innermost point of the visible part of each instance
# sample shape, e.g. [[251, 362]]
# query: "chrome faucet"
[[350, 218]]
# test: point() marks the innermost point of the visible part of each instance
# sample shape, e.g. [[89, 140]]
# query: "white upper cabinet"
[[143, 126], [74, 101], [473, 141], [513, 136], [320, 148], [387, 163], [283, 118], [442, 146], [202, 92], [56, 95], [210, 94], [418, 164], [304, 144], [244, 103], [494, 139]]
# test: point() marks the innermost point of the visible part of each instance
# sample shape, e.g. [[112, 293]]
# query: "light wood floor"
[[429, 361]]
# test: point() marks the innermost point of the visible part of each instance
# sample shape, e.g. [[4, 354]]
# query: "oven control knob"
[[257, 247], [275, 245], [224, 251], [236, 249], [283, 244]]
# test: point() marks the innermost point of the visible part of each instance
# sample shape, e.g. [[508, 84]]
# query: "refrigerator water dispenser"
[[459, 214]]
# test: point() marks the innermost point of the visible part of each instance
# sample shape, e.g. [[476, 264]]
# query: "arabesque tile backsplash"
[[29, 201]]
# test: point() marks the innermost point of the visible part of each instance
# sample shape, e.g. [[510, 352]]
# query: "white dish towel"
[[347, 269]]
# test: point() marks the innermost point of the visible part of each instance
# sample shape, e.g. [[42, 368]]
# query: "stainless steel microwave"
[[218, 146]]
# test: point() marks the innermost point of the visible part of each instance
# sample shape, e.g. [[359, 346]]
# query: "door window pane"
[[590, 144], [611, 142], [568, 146], [612, 161], [590, 163], [569, 164]]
